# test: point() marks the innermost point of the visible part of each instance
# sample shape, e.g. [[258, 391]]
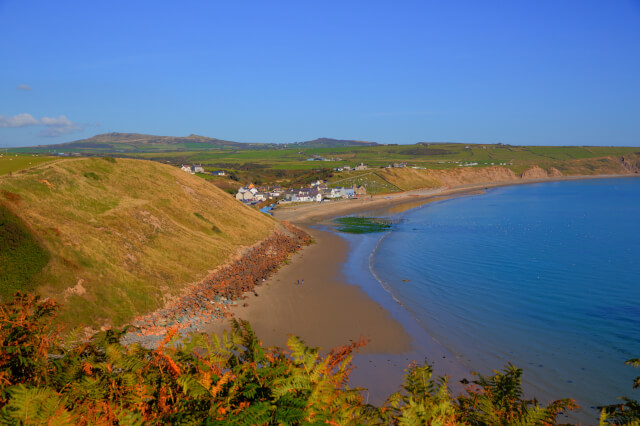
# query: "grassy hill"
[[115, 238], [136, 142], [128, 143]]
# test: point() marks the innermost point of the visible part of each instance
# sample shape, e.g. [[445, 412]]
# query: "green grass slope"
[[122, 235], [21, 256]]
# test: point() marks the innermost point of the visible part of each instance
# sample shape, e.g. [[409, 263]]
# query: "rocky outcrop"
[[630, 164], [553, 172], [535, 172]]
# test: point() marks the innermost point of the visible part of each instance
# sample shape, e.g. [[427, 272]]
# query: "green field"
[[437, 156], [10, 163]]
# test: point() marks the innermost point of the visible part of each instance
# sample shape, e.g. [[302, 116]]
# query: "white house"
[[361, 166], [304, 195], [276, 191], [197, 168], [187, 169]]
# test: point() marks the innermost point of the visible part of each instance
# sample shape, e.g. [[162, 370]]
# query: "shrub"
[[91, 175], [221, 380]]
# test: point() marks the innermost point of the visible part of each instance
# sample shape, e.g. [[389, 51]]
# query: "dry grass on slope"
[[407, 179], [126, 234]]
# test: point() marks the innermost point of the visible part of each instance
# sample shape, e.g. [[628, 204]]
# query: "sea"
[[544, 276]]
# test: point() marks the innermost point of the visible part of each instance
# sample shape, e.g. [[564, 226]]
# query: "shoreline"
[[315, 213], [330, 308], [381, 370], [334, 307]]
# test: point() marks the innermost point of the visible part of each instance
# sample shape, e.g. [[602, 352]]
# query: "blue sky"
[[519, 72]]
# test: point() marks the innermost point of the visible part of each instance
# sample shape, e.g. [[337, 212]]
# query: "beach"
[[308, 297]]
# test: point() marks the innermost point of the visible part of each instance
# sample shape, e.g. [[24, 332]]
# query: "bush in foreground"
[[227, 380]]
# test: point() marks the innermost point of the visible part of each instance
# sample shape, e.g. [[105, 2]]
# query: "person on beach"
[[298, 283]]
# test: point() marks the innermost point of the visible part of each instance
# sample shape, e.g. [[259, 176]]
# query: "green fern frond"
[[33, 406], [192, 387]]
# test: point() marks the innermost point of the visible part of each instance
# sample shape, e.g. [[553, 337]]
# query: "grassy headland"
[[122, 236]]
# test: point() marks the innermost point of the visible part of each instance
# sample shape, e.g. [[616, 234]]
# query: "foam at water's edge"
[[373, 272]]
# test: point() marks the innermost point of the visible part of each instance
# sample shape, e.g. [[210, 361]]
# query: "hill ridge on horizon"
[[140, 142]]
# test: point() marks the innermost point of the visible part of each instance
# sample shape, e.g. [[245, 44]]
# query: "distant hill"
[[135, 142], [113, 238], [127, 143]]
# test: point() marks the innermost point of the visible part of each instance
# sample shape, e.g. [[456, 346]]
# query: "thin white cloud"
[[52, 126], [24, 87], [58, 126], [20, 120]]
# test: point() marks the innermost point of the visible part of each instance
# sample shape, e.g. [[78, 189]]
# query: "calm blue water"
[[546, 276]]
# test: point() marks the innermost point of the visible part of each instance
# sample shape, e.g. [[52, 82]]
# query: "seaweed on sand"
[[362, 225]]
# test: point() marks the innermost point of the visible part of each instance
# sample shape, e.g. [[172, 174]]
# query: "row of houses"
[[251, 194], [321, 193], [318, 191]]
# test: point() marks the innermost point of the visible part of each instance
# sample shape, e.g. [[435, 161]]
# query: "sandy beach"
[[309, 298]]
